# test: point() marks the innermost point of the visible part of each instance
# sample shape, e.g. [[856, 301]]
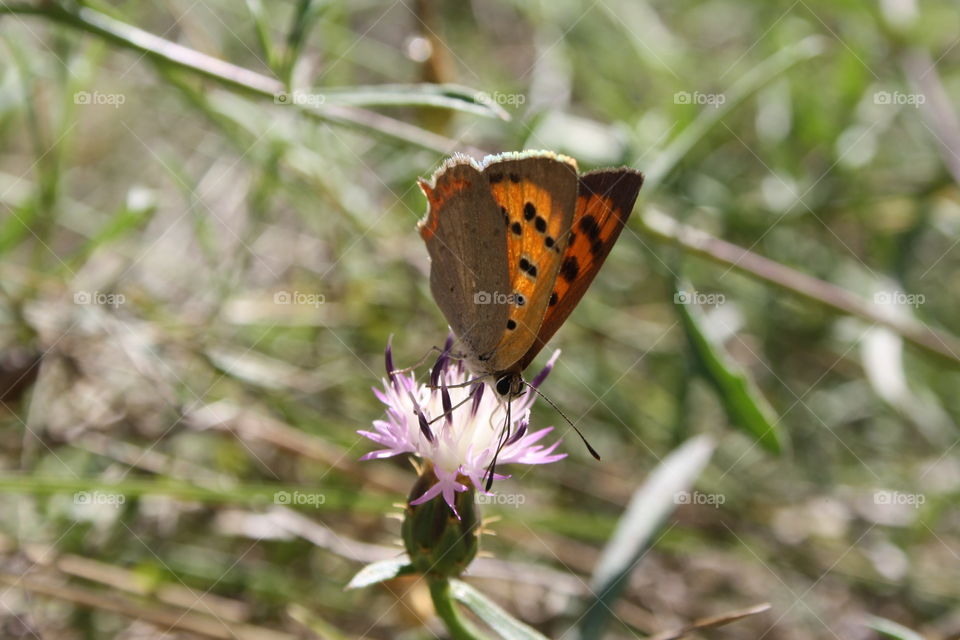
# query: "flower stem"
[[459, 628]]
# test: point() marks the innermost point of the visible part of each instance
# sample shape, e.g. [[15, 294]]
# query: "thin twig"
[[164, 617], [711, 622], [936, 107], [165, 52], [694, 241]]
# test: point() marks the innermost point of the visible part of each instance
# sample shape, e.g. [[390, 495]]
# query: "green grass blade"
[[648, 510], [446, 96], [749, 83], [380, 571], [134, 214], [890, 629], [746, 407], [304, 18], [262, 26], [492, 614]]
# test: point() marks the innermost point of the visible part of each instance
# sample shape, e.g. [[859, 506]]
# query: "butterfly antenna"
[[504, 438], [550, 402]]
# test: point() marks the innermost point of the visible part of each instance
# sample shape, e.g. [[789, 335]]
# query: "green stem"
[[459, 628]]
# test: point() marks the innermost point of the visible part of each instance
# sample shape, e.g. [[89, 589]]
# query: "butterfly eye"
[[503, 385]]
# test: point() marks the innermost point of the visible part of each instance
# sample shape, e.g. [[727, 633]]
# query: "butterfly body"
[[514, 243]]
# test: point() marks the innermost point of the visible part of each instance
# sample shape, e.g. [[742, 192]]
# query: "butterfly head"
[[510, 385]]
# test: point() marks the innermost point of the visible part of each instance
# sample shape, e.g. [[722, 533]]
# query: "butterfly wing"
[[465, 236], [604, 203], [535, 194]]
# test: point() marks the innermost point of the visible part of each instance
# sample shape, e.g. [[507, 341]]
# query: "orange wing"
[[536, 195], [604, 202]]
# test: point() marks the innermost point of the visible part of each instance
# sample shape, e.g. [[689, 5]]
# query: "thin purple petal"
[[447, 405], [477, 392], [442, 361], [540, 377], [517, 436], [388, 358], [432, 492], [425, 426]]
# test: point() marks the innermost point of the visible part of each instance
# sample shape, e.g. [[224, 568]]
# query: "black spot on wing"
[[570, 269], [528, 267], [588, 224], [529, 211]]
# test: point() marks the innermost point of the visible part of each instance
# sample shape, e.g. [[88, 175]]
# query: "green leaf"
[[381, 571], [448, 96], [262, 25], [891, 629], [135, 213], [17, 226], [745, 405], [649, 508], [305, 16], [499, 620]]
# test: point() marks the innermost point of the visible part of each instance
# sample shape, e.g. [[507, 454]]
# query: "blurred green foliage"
[[153, 206]]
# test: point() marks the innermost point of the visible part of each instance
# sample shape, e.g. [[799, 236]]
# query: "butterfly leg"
[[448, 412], [504, 438], [464, 384], [419, 362]]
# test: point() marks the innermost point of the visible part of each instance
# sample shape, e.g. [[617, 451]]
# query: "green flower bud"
[[439, 542]]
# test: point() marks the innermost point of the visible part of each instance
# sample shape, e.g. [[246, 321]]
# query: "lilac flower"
[[460, 445]]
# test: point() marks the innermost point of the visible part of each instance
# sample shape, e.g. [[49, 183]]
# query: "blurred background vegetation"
[[201, 263]]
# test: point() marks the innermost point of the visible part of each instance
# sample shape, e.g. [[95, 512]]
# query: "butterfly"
[[514, 243]]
